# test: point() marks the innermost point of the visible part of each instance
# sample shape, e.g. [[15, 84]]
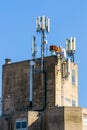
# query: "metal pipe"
[[31, 82]]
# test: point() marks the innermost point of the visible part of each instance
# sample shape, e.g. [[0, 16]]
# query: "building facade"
[[61, 83], [58, 118], [58, 86], [42, 93]]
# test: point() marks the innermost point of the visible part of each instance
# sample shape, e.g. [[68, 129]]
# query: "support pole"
[[42, 52]]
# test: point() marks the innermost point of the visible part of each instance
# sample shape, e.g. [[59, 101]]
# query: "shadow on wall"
[[52, 119]]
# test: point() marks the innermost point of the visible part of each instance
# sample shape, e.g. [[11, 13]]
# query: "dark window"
[[21, 125], [24, 124], [18, 125]]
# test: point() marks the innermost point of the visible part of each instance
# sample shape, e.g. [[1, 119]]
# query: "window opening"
[[21, 124]]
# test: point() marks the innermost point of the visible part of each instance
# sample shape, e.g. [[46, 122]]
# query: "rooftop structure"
[[42, 93]]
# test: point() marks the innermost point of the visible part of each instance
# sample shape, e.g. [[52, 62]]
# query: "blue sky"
[[68, 18]]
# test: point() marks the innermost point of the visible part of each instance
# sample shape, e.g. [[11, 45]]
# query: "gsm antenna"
[[42, 26]]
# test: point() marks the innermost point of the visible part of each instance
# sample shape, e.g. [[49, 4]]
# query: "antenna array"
[[42, 26], [71, 47]]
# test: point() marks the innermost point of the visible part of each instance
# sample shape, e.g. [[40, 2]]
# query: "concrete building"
[[42, 93], [61, 85], [61, 90], [58, 118]]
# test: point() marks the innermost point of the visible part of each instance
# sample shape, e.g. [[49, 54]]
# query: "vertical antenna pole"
[[42, 53], [43, 25]]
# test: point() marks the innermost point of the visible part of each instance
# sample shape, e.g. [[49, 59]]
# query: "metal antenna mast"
[[42, 26]]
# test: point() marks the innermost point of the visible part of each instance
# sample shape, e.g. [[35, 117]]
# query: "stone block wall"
[[16, 85], [73, 118]]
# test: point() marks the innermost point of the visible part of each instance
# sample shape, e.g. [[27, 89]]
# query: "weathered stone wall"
[[58, 90], [54, 119], [49, 82], [8, 122], [58, 86], [15, 86], [5, 123], [65, 91], [84, 119], [16, 80], [72, 118], [69, 90]]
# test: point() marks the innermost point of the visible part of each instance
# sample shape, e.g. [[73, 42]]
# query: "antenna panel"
[[33, 46], [63, 53], [70, 44], [43, 22], [38, 24], [47, 24], [67, 45], [74, 44]]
